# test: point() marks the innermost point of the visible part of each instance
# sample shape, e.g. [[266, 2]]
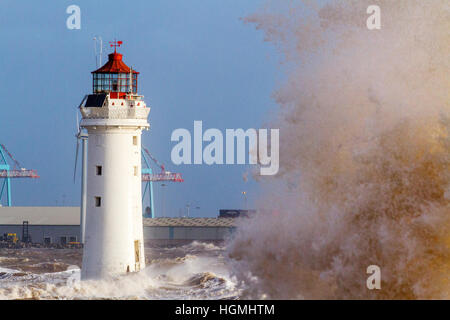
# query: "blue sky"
[[197, 61]]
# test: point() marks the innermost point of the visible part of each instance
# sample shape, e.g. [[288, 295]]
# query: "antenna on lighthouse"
[[98, 62]]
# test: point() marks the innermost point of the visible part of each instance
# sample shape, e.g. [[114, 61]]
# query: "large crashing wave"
[[365, 155]]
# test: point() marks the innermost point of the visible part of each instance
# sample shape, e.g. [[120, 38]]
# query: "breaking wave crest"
[[365, 155], [172, 273]]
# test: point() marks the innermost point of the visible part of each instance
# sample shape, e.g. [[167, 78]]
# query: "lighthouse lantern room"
[[115, 77], [114, 116]]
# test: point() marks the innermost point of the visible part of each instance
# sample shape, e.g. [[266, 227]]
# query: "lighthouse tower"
[[114, 116]]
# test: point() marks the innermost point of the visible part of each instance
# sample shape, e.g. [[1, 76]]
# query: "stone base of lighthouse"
[[114, 231]]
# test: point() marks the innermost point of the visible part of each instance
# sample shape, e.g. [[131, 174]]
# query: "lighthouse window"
[[98, 170], [98, 201], [135, 140], [116, 82], [135, 171]]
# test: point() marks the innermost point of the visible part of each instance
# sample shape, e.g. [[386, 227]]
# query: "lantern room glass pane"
[[114, 86], [114, 82]]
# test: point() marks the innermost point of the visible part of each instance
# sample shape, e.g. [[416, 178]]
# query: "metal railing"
[[115, 113]]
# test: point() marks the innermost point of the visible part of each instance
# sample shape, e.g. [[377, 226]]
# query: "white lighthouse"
[[114, 116]]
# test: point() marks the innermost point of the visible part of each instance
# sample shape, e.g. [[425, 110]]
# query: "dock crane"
[[148, 177], [7, 173]]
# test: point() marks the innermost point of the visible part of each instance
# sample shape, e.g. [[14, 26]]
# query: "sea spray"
[[364, 155], [196, 270]]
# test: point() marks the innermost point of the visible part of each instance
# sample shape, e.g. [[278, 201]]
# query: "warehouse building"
[[179, 230], [61, 225], [41, 224]]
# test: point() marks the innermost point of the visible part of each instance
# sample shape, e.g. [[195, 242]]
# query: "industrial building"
[[45, 224], [61, 225], [174, 230]]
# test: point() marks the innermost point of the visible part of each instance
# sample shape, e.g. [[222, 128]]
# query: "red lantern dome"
[[115, 78]]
